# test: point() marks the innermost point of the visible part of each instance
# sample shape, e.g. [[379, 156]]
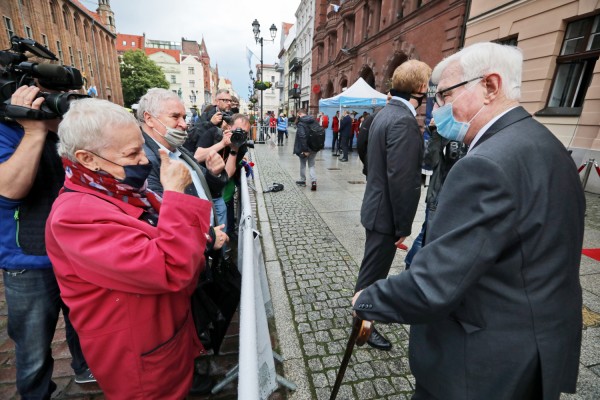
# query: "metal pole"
[[262, 78], [588, 169]]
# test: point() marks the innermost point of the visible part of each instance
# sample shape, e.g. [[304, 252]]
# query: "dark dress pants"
[[344, 141], [380, 250]]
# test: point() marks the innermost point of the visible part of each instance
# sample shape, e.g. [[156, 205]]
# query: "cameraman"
[[31, 175]]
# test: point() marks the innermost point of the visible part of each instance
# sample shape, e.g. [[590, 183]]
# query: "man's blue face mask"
[[447, 126]]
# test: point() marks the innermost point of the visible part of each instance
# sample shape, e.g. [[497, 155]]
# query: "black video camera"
[[239, 137], [227, 117], [16, 71]]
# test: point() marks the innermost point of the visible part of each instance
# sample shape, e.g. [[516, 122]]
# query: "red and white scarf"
[[102, 182]]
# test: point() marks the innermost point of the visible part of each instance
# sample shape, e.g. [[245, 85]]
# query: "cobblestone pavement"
[[313, 244]]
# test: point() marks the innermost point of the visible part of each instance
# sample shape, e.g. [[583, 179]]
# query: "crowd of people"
[[117, 220]]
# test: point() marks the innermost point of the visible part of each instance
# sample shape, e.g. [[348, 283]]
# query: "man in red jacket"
[[335, 127]]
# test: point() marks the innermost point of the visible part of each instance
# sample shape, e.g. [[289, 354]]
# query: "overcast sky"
[[226, 26]]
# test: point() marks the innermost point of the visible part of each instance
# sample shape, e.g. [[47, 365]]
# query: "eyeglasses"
[[225, 100], [439, 96]]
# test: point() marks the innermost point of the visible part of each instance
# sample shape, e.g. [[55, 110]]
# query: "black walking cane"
[[361, 330]]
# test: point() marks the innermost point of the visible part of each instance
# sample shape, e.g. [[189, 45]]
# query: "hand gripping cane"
[[361, 330]]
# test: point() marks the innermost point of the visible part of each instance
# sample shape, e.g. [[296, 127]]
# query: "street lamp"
[[260, 39]]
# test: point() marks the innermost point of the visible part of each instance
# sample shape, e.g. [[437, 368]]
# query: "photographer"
[[31, 175]]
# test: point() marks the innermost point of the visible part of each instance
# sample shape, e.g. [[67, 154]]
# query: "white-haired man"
[[162, 115], [493, 297]]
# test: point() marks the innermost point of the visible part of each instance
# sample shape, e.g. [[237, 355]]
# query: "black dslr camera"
[[239, 137], [227, 117], [16, 71]]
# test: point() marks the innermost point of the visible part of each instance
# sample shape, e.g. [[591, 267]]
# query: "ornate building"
[[370, 38], [560, 40], [77, 36]]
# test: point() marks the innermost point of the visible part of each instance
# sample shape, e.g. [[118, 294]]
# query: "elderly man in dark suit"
[[493, 297], [345, 132], [395, 152]]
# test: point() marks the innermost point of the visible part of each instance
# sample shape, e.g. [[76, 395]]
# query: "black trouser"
[[344, 142], [380, 250], [334, 142], [280, 137]]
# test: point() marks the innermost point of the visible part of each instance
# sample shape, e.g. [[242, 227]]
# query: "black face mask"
[[406, 96], [235, 110], [135, 175], [419, 99]]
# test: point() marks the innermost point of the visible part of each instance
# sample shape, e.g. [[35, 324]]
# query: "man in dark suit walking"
[[395, 153], [493, 297], [345, 132]]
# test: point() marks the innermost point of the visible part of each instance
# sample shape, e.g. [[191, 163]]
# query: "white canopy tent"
[[359, 97]]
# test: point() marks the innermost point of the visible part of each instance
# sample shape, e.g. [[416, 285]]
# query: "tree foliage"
[[138, 74]]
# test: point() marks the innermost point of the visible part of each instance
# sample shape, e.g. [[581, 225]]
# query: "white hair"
[[480, 59], [85, 125], [153, 102]]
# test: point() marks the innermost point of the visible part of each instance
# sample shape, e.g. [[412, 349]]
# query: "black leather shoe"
[[343, 160], [202, 385], [377, 341]]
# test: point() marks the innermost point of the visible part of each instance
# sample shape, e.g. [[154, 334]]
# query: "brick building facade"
[[77, 36], [370, 38]]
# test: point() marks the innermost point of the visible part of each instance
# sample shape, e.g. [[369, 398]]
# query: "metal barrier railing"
[[256, 374]]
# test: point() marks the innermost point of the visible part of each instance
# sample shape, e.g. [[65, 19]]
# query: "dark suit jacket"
[[215, 183], [495, 290], [346, 126], [395, 154]]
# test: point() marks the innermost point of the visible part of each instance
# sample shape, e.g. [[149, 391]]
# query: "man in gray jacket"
[[493, 299], [395, 152]]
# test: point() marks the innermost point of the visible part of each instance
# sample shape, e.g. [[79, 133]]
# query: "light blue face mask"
[[447, 126]]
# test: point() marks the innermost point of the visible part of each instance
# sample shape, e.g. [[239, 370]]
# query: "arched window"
[[76, 23], [66, 18], [52, 11]]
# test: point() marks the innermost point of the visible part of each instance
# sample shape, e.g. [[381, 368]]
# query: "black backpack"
[[315, 136]]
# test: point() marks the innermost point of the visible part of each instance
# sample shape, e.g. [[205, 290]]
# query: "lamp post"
[[260, 39]]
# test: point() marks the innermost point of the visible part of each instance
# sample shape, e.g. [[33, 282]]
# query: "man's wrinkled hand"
[[226, 138], [220, 237], [25, 96], [216, 119], [174, 175], [214, 163]]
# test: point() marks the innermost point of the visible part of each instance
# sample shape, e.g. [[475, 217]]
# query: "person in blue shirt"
[[31, 175]]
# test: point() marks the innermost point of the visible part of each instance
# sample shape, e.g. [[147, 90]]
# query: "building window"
[[85, 29], [574, 67], [53, 12], [173, 79], [132, 44], [66, 17], [190, 70], [71, 56], [45, 41], [76, 24], [508, 41], [90, 66], [28, 32], [81, 61], [10, 30], [60, 52], [124, 43], [192, 83]]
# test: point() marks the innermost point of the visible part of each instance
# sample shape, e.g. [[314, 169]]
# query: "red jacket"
[[128, 286], [335, 124]]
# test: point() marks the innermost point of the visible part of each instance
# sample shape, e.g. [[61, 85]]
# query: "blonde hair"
[[410, 76]]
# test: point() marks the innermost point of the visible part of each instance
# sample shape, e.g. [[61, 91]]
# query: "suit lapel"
[[511, 117]]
